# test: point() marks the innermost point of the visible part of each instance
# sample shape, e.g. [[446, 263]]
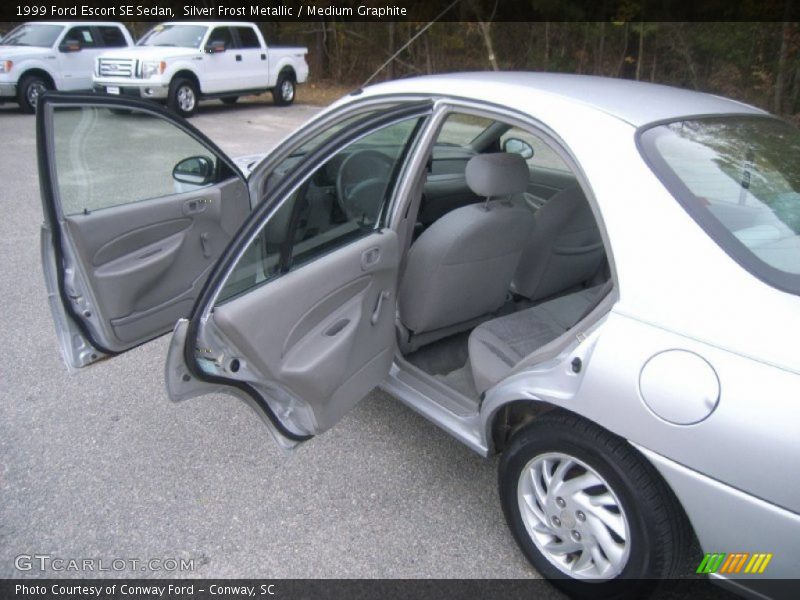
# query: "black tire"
[[181, 91], [285, 89], [28, 91], [659, 534], [230, 99]]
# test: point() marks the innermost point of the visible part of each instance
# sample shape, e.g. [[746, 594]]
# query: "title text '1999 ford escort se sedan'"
[[596, 278]]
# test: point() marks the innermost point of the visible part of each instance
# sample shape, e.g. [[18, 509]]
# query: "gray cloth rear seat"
[[497, 345], [460, 268]]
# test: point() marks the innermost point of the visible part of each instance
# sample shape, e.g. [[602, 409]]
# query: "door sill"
[[448, 409]]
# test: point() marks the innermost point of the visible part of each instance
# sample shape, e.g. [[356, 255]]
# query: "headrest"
[[500, 174]]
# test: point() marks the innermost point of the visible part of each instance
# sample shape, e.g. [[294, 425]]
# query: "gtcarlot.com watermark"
[[59, 564]]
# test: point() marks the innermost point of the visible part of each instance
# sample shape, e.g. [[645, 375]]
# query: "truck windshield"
[[31, 34], [182, 36], [739, 177]]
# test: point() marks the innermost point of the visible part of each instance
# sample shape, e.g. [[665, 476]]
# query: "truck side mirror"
[[215, 47], [69, 46]]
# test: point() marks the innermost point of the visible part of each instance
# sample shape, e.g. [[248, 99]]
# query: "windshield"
[[183, 36], [33, 35], [739, 177]]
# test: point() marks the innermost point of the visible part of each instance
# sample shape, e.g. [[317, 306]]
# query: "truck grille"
[[116, 67]]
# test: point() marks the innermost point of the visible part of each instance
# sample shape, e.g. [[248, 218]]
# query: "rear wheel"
[[183, 97], [230, 99], [588, 510], [284, 90], [29, 90]]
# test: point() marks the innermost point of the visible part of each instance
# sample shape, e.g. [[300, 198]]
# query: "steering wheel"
[[361, 183]]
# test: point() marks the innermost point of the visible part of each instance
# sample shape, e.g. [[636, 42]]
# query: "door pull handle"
[[376, 314], [370, 258], [205, 245]]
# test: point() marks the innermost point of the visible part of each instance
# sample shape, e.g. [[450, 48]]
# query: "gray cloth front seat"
[[460, 268], [565, 248], [496, 346]]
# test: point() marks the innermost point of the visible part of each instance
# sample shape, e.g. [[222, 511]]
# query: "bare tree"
[[640, 52], [780, 75], [485, 28], [546, 45], [598, 62]]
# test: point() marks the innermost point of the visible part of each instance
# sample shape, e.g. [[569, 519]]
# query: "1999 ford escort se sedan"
[[596, 278]]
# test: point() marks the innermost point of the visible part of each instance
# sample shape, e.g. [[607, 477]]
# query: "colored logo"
[[736, 562]]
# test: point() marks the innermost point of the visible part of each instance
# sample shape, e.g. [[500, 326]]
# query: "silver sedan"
[[596, 278]]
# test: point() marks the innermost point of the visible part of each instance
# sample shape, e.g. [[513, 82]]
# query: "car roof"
[[634, 102]]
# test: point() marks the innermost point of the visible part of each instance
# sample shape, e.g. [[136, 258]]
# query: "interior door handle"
[[205, 245], [370, 257], [376, 314], [196, 205]]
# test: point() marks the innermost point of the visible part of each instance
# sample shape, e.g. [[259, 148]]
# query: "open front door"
[[298, 317], [138, 206]]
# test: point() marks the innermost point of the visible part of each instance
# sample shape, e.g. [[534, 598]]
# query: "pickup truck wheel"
[[589, 512], [284, 90], [29, 90], [230, 99], [183, 97]]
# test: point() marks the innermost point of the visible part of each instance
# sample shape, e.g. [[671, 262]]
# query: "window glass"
[[740, 177], [340, 201], [33, 34], [112, 37], [182, 36], [460, 129], [543, 155], [103, 159], [248, 37], [83, 35], [222, 34]]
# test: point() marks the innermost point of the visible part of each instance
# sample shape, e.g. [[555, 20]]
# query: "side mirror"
[[195, 170], [69, 46], [518, 146], [215, 47]]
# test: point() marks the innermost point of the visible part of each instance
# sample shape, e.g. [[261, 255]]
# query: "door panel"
[[77, 67], [221, 68], [546, 183], [145, 261], [253, 64], [313, 333], [138, 207], [298, 317]]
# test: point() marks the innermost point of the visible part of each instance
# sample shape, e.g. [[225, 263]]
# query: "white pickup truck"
[[183, 62], [57, 55]]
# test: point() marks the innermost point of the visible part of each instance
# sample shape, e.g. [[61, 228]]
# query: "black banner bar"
[[401, 10], [284, 589]]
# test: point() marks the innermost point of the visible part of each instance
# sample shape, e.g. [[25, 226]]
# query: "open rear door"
[[138, 206], [298, 318]]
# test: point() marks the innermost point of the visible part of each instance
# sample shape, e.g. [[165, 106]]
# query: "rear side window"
[[248, 37], [739, 178], [112, 37]]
